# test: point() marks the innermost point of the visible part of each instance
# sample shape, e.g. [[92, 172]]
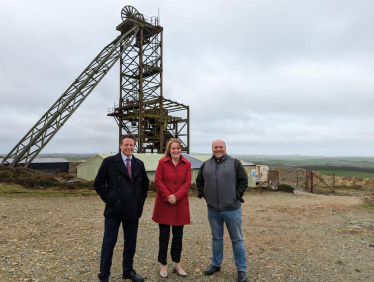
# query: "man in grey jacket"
[[222, 181]]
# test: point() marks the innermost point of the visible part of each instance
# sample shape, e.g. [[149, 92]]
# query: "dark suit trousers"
[[176, 243], [130, 231]]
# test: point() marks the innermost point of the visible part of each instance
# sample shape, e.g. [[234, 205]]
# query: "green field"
[[310, 161], [347, 173]]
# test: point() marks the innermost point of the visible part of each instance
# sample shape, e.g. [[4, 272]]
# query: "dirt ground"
[[288, 237]]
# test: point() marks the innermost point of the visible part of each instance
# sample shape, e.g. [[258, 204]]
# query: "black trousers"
[[176, 243], [130, 231]]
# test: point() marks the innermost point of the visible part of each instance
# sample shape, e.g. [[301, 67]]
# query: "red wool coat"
[[170, 180]]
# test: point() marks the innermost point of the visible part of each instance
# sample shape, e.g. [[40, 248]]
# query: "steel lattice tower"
[[142, 110]]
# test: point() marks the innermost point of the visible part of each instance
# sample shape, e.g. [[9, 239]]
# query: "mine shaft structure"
[[142, 110]]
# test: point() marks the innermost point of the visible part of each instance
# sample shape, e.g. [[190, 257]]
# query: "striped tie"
[[128, 167]]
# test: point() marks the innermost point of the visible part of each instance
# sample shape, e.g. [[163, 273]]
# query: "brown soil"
[[288, 237]]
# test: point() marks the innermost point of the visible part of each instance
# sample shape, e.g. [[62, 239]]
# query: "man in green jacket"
[[222, 181]]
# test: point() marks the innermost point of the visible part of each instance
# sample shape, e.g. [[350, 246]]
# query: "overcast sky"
[[268, 77]]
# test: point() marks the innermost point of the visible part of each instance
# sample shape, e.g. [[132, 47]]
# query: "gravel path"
[[288, 237]]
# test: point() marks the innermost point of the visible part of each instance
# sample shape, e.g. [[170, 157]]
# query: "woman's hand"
[[172, 199]]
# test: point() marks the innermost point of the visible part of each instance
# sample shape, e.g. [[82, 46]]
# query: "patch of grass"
[[15, 190], [367, 204], [347, 173], [348, 187]]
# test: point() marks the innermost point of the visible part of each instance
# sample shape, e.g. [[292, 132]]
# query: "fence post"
[[297, 177]]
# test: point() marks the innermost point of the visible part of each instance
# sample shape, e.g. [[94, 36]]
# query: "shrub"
[[26, 177], [34, 179], [65, 176], [285, 188]]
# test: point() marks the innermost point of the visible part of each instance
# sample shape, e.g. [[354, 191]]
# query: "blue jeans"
[[233, 221]]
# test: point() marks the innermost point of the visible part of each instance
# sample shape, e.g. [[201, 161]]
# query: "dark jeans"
[[176, 243], [130, 231]]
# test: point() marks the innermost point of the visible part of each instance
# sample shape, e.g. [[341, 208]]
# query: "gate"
[[273, 179]]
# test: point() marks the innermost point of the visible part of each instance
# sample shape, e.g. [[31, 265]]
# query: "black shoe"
[[242, 276], [133, 276], [106, 279], [211, 269]]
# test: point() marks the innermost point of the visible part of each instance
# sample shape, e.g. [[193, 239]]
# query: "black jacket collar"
[[120, 165]]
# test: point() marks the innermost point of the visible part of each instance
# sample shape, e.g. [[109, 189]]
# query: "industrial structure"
[[142, 110]]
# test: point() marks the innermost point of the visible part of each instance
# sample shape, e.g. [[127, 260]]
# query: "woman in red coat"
[[173, 179]]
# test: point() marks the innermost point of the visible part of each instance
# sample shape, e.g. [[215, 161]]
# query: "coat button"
[[175, 171], [119, 190], [175, 183], [119, 177], [119, 201]]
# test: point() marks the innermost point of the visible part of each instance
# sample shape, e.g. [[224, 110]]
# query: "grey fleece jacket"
[[222, 183]]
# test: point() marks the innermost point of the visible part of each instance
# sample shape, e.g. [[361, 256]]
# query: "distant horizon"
[[234, 154]]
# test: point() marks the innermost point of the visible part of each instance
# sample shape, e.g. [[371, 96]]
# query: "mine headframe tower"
[[142, 110]]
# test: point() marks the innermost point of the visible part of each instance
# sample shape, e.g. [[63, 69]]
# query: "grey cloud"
[[267, 76]]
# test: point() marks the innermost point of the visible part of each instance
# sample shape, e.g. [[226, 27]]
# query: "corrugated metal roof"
[[103, 156], [195, 163], [202, 157]]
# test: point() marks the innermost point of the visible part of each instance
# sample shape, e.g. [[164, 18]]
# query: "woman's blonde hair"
[[168, 145]]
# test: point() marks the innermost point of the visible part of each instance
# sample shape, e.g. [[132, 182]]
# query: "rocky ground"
[[288, 237]]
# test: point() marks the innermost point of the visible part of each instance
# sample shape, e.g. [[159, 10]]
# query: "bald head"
[[218, 140], [218, 148]]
